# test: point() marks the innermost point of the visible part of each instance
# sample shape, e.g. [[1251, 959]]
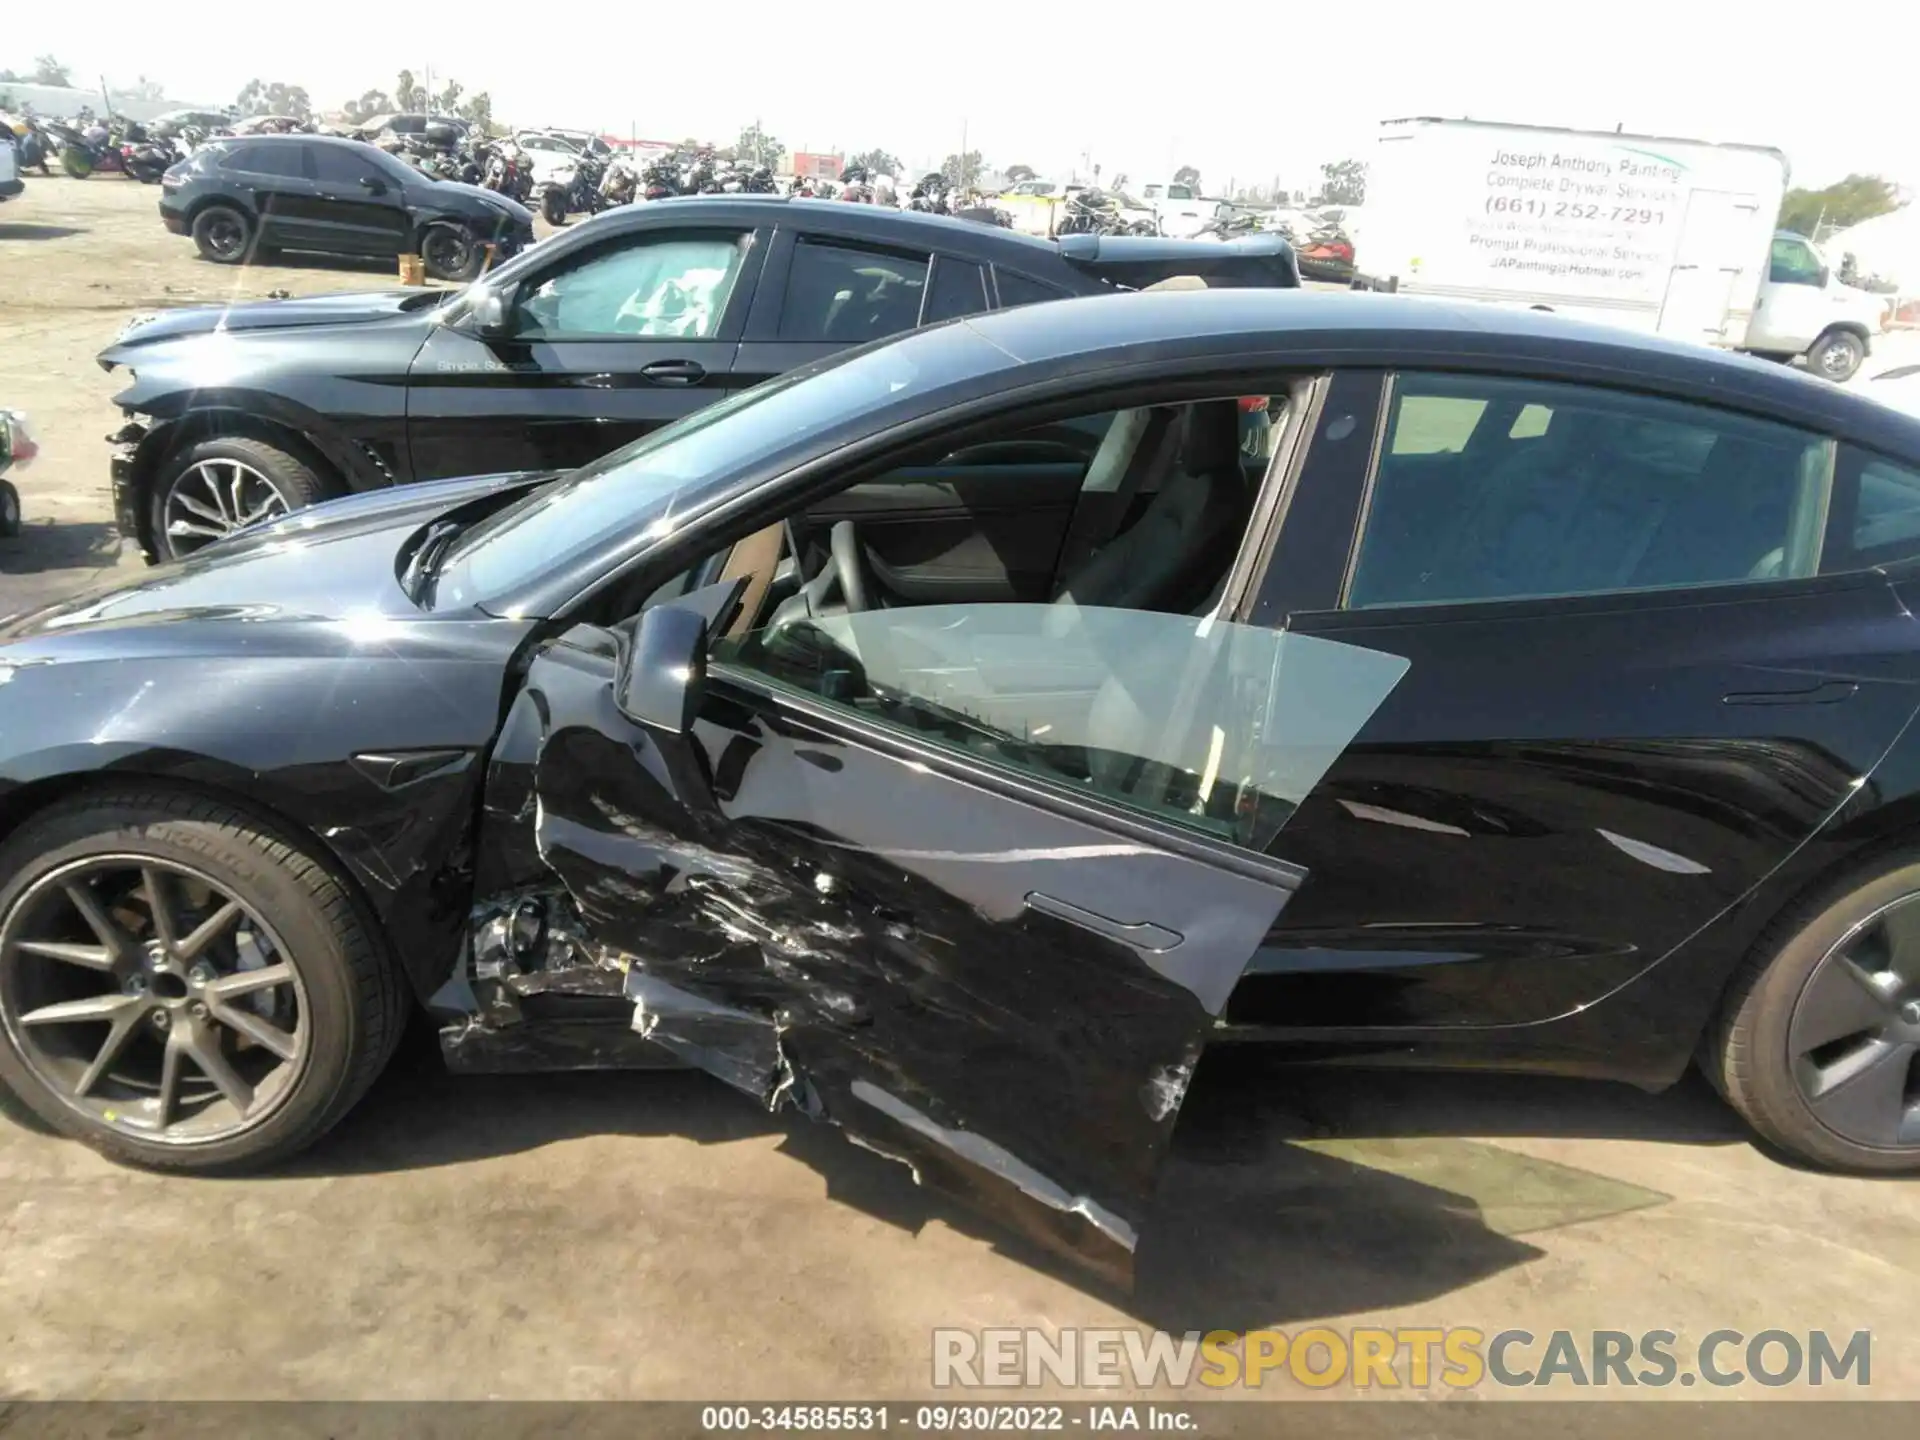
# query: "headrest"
[[1212, 440]]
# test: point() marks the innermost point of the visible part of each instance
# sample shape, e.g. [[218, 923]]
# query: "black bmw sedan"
[[238, 413], [1530, 697], [242, 196]]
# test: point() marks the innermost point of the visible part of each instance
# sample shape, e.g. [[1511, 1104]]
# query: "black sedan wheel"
[[1819, 1046], [450, 253], [181, 988]]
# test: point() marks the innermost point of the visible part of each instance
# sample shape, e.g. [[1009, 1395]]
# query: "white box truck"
[[1671, 236]]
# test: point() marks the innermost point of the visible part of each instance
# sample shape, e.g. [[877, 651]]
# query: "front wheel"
[[553, 205], [9, 510], [1837, 356], [1817, 1042], [181, 987], [223, 486]]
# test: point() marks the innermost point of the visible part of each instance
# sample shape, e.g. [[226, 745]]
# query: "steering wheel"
[[849, 566]]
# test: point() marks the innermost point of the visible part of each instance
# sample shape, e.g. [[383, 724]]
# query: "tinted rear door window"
[[958, 287], [845, 296], [286, 161], [1018, 289], [1491, 489]]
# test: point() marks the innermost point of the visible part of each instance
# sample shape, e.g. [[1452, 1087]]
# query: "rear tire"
[[1817, 1039], [350, 1003], [1837, 356], [193, 493], [9, 510], [450, 253], [77, 163], [223, 234], [553, 205]]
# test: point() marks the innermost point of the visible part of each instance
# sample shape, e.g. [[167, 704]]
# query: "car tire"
[[1837, 356], [223, 234], [450, 253], [9, 510], [1817, 1043], [192, 501], [347, 1004]]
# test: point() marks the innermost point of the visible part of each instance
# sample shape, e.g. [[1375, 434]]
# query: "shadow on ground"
[[48, 546], [1289, 1193], [36, 230]]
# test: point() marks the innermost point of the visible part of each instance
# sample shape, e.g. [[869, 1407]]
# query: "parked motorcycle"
[[1327, 255], [930, 194], [37, 147], [856, 185], [620, 182], [575, 188], [504, 169], [17, 448], [1095, 212], [661, 178], [147, 159]]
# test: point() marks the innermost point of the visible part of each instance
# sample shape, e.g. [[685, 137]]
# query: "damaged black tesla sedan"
[[1524, 695]]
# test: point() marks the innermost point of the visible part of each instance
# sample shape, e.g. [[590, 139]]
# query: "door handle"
[[1141, 935], [674, 372], [1829, 692]]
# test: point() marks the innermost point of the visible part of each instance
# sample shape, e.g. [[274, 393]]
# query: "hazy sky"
[[1242, 90]]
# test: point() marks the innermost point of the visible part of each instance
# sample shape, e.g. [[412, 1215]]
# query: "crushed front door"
[[971, 882]]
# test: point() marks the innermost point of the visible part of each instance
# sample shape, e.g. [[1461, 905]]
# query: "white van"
[[1178, 208], [1671, 236]]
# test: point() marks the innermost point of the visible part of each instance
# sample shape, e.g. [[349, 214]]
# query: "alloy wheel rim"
[[149, 999], [225, 235], [1854, 1036], [212, 499], [446, 253]]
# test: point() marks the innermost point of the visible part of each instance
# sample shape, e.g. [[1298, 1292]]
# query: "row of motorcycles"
[[85, 144]]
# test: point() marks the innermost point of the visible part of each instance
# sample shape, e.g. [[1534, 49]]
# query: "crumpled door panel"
[[1006, 996]]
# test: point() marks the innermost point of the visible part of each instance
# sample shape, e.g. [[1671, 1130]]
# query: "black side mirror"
[[659, 686], [373, 185], [666, 669]]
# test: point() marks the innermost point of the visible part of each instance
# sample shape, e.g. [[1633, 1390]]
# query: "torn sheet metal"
[[855, 934]]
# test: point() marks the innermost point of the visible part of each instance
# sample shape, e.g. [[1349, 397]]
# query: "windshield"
[[643, 491]]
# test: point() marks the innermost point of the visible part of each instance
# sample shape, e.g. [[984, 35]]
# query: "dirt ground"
[[77, 260], [651, 1235]]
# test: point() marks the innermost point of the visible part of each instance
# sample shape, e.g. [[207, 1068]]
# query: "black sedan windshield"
[[644, 491]]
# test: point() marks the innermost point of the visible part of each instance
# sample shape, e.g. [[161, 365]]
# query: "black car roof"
[[1361, 329], [933, 231]]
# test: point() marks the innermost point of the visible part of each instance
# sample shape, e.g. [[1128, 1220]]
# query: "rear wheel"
[[223, 486], [222, 233], [1817, 1042], [1837, 356], [182, 988], [450, 253], [553, 205], [76, 162], [9, 510]]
